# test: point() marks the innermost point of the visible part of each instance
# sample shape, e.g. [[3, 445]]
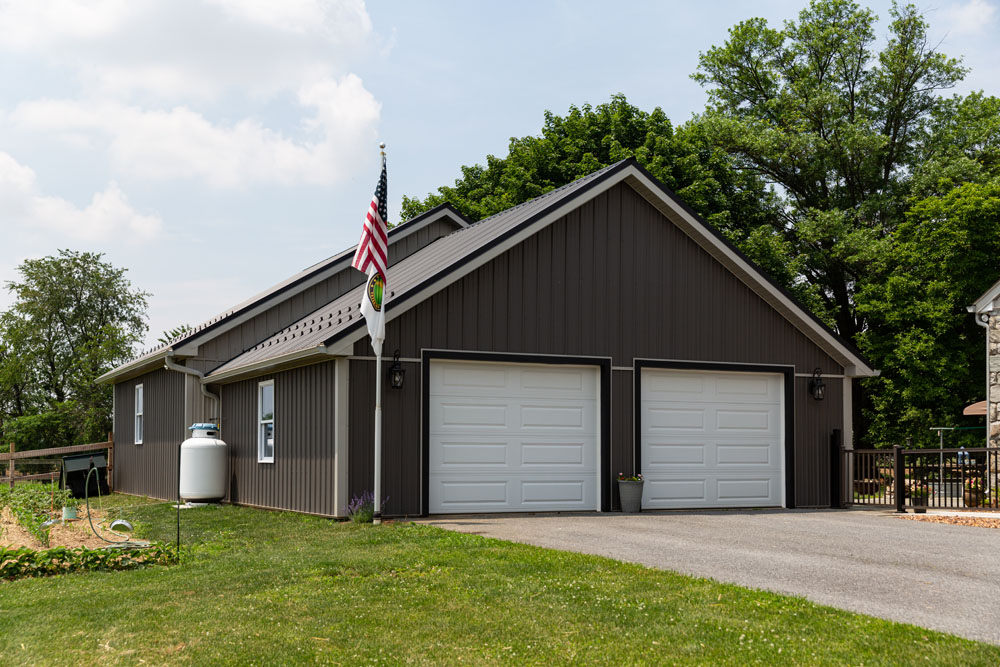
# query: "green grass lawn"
[[267, 587]]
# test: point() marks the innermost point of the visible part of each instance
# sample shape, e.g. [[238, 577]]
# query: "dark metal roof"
[[408, 276], [337, 262]]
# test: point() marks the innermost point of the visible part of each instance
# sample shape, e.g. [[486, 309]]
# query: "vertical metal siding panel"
[[622, 454], [149, 469]]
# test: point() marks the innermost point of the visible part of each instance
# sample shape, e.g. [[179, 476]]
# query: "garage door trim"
[[604, 408], [788, 373]]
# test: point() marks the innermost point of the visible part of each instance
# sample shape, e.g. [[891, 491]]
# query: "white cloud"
[[181, 143], [108, 215], [190, 50], [971, 18]]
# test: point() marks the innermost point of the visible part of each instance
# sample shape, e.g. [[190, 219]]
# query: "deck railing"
[[936, 478]]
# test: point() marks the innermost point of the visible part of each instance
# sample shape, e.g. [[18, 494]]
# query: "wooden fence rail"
[[34, 454]]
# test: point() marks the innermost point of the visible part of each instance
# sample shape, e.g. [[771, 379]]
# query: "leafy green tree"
[[74, 318], [929, 348], [813, 109], [172, 334], [589, 138], [961, 144]]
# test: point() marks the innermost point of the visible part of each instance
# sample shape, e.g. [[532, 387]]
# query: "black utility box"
[[76, 468]]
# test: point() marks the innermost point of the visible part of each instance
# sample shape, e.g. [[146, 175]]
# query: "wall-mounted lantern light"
[[396, 372], [816, 385]]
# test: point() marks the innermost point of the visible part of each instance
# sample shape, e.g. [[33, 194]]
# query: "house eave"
[[303, 357]]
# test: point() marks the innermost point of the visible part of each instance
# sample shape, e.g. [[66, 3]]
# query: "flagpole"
[[377, 518]]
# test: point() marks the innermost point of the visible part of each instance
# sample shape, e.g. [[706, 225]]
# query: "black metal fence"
[[935, 478]]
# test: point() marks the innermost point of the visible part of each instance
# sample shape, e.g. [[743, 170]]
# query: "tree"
[[171, 335], [74, 318], [813, 110], [588, 138], [929, 348]]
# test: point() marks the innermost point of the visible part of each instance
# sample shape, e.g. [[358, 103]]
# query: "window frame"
[[138, 410], [261, 421]]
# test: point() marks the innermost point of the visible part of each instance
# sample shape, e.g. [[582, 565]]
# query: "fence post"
[[111, 462], [10, 467], [898, 474], [836, 468]]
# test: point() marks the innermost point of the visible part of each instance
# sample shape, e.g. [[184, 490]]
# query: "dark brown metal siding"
[[149, 469], [241, 338], [814, 422], [302, 475], [613, 278], [400, 437]]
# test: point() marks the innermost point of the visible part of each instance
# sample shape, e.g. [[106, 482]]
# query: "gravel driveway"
[[933, 575]]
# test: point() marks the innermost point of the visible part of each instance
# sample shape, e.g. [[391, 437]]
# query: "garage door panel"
[[548, 492], [469, 376], [472, 414], [670, 454], [745, 420], [535, 436], [553, 453], [744, 454], [466, 453], [553, 416], [684, 492], [683, 385], [730, 456], [745, 490], [572, 381], [745, 387], [673, 418]]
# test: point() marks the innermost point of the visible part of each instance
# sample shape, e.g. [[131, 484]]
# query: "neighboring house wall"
[[993, 397], [614, 278], [149, 469], [302, 477], [235, 341]]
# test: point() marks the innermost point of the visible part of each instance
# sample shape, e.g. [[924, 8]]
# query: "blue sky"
[[215, 147]]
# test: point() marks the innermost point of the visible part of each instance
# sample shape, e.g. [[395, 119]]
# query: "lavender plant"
[[361, 509]]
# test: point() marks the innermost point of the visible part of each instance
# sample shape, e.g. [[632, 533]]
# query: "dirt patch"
[[75, 533], [976, 521]]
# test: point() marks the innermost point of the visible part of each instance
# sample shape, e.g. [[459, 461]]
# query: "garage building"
[[600, 328]]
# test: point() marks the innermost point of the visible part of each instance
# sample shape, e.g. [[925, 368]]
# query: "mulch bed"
[[976, 521]]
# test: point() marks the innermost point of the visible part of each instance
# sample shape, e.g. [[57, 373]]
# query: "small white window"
[[265, 422], [138, 414]]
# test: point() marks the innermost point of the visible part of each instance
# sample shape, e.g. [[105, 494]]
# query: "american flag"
[[373, 248]]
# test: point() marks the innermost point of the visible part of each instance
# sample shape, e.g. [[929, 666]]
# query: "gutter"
[[169, 362], [983, 320]]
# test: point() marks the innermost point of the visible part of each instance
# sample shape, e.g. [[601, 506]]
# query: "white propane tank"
[[203, 465]]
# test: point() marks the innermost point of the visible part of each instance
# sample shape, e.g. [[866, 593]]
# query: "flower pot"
[[68, 513], [919, 505], [973, 498], [631, 496]]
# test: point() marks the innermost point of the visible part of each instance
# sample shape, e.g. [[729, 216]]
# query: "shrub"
[[24, 562]]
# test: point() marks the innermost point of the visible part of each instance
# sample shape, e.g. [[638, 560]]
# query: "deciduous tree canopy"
[[74, 318]]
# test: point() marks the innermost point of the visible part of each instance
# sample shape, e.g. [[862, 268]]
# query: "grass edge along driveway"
[[260, 587]]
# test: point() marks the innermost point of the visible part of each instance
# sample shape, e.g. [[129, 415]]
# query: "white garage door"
[[512, 437], [711, 439]]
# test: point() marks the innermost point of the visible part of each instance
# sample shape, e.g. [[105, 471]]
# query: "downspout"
[[172, 365], [983, 320]]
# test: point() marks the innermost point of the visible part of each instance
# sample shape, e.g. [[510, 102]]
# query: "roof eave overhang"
[[853, 364], [988, 301], [134, 368], [294, 359]]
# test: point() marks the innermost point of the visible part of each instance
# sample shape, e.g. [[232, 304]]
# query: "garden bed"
[[75, 533]]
